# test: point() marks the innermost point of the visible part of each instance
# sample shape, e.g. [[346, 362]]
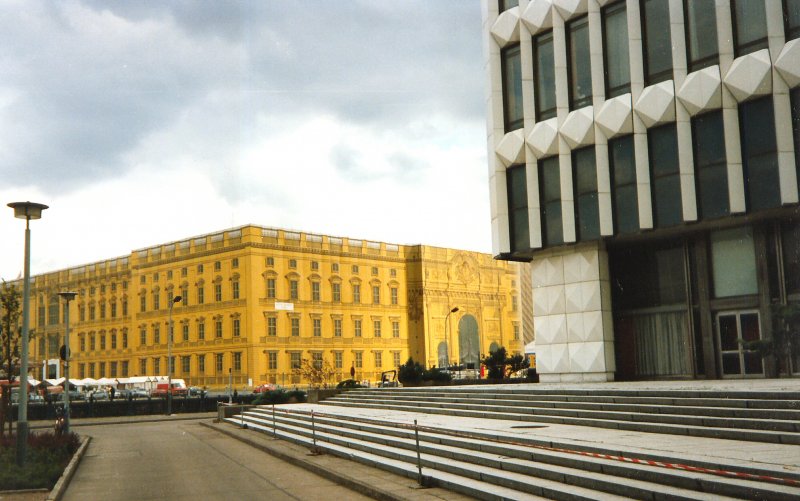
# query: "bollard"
[[313, 432], [419, 458], [274, 432], [241, 409]]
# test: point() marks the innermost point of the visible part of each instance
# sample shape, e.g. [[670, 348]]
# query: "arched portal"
[[442, 354], [468, 342]]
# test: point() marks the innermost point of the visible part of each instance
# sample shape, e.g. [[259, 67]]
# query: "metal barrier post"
[[419, 458], [241, 409], [274, 432], [313, 432]]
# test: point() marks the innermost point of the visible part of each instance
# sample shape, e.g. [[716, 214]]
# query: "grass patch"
[[47, 456]]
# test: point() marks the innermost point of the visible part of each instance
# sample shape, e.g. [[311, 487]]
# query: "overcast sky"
[[145, 122]]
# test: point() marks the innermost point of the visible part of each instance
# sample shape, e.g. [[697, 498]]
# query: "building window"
[[156, 300], [83, 343], [395, 329], [270, 261], [294, 360], [236, 327], [701, 33], [396, 359], [356, 293], [143, 336], [217, 266], [512, 87], [201, 331], [156, 366], [791, 17], [315, 265], [271, 288], [317, 325], [749, 26], [378, 359], [124, 368], [316, 360], [235, 289], [113, 306], [184, 271], [579, 68], [545, 76], [156, 334], [92, 310], [623, 175], [219, 360], [615, 50], [337, 360], [376, 294], [114, 341], [393, 295], [124, 339], [237, 361], [354, 269], [356, 328], [657, 50], [102, 341], [218, 328], [665, 182], [516, 332], [235, 262], [336, 290], [711, 172], [142, 303], [358, 361], [517, 189], [733, 259], [142, 366], [795, 100], [335, 267], [337, 327], [504, 5], [376, 328], [185, 332], [293, 263], [92, 342], [272, 361], [759, 153], [185, 363], [315, 291], [218, 292], [185, 295], [201, 363], [584, 175], [550, 201], [199, 268], [295, 326], [293, 289], [272, 326], [200, 294]]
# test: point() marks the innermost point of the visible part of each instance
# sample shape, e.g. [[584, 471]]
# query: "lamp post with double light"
[[68, 296], [26, 211], [169, 355], [447, 339]]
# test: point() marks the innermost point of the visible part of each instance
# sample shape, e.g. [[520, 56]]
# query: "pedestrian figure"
[[352, 372]]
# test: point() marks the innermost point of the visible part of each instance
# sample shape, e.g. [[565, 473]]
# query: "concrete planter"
[[317, 395]]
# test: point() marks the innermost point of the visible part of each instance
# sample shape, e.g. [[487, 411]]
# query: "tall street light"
[[68, 296], [169, 355], [26, 211], [446, 325]]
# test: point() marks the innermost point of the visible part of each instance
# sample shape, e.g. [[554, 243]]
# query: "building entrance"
[[733, 327]]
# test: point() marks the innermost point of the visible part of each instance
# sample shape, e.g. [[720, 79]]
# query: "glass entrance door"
[[736, 361]]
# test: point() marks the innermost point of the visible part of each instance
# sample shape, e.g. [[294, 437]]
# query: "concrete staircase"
[[772, 417], [490, 465]]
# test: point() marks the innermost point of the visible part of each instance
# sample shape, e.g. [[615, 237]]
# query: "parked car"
[[139, 393], [74, 395], [98, 395], [194, 391], [265, 387], [177, 390]]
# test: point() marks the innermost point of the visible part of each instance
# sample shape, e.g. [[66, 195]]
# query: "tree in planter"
[[517, 363], [785, 341], [410, 373], [495, 363], [10, 311], [316, 374]]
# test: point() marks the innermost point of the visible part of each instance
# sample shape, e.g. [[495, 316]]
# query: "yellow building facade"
[[255, 302]]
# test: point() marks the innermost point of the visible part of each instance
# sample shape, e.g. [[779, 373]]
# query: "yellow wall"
[[428, 281]]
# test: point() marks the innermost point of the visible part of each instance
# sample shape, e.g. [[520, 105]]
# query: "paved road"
[[181, 460]]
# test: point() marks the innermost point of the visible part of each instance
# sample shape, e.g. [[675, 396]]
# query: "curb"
[[69, 471], [341, 479]]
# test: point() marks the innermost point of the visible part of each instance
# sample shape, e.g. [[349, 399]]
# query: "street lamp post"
[[169, 355], [446, 325], [26, 211], [68, 296]]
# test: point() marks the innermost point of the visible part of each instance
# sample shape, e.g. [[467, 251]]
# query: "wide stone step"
[[551, 481], [551, 462], [675, 425]]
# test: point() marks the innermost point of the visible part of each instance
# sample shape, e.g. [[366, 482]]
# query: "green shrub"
[[271, 397], [349, 383], [298, 395], [436, 375], [410, 373], [47, 456]]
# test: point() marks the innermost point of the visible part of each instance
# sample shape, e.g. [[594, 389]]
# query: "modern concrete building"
[[643, 156], [256, 301]]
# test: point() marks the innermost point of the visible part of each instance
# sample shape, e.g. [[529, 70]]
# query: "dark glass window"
[[665, 180], [791, 17], [512, 88], [518, 208], [795, 99], [544, 66], [646, 277], [790, 237], [579, 71], [701, 33], [759, 154], [584, 178], [508, 4], [550, 201], [749, 26], [657, 45], [623, 175], [711, 172], [615, 40]]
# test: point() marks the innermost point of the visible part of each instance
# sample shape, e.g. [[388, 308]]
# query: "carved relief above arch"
[[463, 268]]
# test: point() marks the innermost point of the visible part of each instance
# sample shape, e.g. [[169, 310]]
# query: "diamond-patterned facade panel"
[[506, 27], [559, 358], [587, 357], [571, 8], [578, 128], [750, 76], [656, 104], [547, 271], [788, 63], [538, 16], [615, 116], [543, 138], [581, 266], [702, 90], [511, 148]]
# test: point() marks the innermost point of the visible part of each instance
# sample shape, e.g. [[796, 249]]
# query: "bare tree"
[[10, 311]]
